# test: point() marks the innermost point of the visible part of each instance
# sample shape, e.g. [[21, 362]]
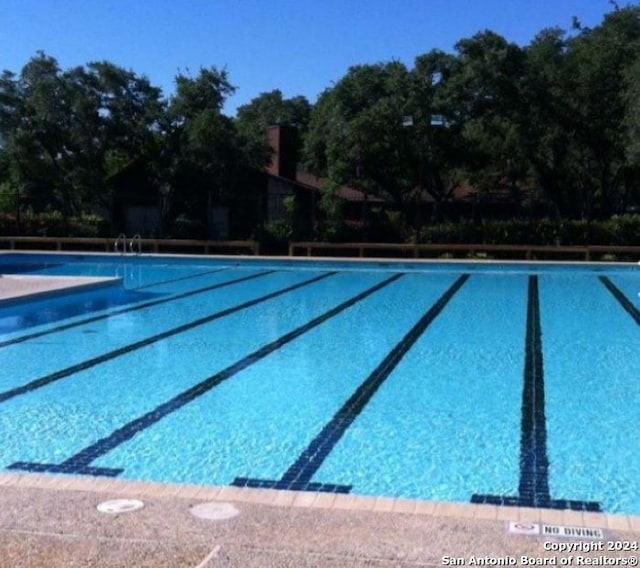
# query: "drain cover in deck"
[[214, 511], [116, 506]]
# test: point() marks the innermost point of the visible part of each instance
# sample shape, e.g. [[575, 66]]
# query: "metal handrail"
[[121, 237], [136, 239]]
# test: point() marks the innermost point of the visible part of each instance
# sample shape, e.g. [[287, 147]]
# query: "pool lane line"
[[534, 462], [533, 487], [80, 463], [63, 373], [622, 299], [65, 327], [180, 278], [298, 476]]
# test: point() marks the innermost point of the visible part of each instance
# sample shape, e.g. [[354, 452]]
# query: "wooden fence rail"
[[416, 250], [108, 244], [528, 252]]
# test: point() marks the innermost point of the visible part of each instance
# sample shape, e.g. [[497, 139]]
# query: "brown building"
[[294, 195], [284, 193]]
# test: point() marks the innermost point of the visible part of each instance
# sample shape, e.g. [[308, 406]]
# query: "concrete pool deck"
[[52, 521], [18, 288]]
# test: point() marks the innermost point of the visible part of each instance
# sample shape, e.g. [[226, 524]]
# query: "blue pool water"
[[514, 384]]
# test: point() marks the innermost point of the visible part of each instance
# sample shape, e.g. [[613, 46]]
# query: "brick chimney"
[[283, 140]]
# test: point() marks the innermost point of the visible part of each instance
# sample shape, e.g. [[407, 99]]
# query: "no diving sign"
[[572, 532], [516, 527]]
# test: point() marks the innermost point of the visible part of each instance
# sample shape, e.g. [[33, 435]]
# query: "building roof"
[[348, 193], [283, 138]]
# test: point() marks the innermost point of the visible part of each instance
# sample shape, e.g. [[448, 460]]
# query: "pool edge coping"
[[319, 500], [330, 259], [54, 286]]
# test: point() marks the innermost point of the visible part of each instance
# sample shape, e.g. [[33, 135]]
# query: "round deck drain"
[[116, 506], [214, 511]]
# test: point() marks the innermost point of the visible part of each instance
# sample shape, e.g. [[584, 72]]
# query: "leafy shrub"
[[619, 230], [87, 225], [388, 227], [184, 227], [8, 197], [278, 231], [53, 224], [625, 229]]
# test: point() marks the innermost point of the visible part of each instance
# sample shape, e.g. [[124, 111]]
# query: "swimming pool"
[[513, 384]]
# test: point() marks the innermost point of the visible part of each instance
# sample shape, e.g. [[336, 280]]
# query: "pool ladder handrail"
[[121, 237], [136, 239]]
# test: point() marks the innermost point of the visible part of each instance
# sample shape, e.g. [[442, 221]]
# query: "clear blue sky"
[[297, 46]]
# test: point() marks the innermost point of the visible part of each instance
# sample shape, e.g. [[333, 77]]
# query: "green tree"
[[203, 162], [434, 154], [546, 121], [597, 65], [486, 96], [130, 109], [632, 137], [35, 106], [265, 110], [356, 131], [64, 132], [390, 132], [632, 113]]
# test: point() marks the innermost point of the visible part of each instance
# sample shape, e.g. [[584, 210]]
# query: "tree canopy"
[[559, 116], [558, 119]]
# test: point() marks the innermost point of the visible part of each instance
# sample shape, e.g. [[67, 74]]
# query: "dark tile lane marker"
[[180, 278], [63, 373], [80, 463], [150, 304], [533, 489], [622, 299], [298, 476]]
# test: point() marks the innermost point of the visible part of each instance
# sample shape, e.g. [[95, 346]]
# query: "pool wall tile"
[[595, 519], [169, 490], [324, 500], [554, 516], [345, 502], [189, 491], [618, 522], [404, 506], [572, 517], [486, 512], [262, 497], [529, 514], [8, 479], [285, 498], [304, 499], [230, 493], [425, 508], [210, 492], [634, 523], [445, 509], [383, 504]]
